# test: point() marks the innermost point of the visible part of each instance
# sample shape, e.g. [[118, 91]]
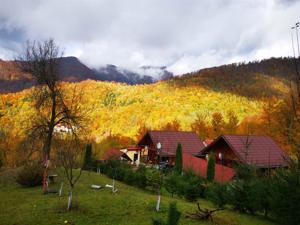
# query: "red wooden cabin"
[[260, 151], [169, 140]]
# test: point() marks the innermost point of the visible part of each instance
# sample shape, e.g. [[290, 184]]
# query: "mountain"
[[72, 70], [256, 78], [265, 78], [241, 93], [114, 73]]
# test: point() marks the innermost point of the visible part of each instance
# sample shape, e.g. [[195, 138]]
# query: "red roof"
[[261, 151], [169, 140], [112, 154], [134, 148]]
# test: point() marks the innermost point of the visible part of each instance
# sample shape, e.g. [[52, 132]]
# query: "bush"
[[173, 216], [140, 177], [190, 186], [285, 195], [250, 193], [129, 177], [88, 161], [119, 173], [171, 184], [157, 221], [244, 172], [153, 179], [191, 192], [218, 194], [123, 172], [30, 175], [248, 196]]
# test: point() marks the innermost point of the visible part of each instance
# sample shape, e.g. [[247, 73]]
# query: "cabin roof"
[[169, 140], [258, 150], [114, 154]]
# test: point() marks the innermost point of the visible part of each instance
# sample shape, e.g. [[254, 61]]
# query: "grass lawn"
[[28, 206]]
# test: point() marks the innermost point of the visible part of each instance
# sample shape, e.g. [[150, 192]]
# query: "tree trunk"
[[70, 200], [45, 174], [46, 150], [61, 189], [158, 202]]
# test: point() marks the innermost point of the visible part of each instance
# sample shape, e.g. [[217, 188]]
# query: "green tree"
[[171, 183], [178, 162], [88, 161], [218, 194], [210, 173], [173, 216], [285, 195]]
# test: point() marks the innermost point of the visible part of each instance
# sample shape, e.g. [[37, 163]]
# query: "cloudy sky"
[[183, 35]]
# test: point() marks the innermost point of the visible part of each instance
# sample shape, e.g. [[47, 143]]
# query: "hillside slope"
[[116, 109], [100, 206], [266, 78], [121, 109]]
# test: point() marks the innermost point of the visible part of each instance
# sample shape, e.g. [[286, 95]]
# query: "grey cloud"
[[183, 35]]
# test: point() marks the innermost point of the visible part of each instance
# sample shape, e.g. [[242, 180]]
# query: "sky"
[[183, 35]]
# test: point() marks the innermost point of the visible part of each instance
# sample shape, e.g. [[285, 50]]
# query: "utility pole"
[[158, 147], [297, 79], [296, 26]]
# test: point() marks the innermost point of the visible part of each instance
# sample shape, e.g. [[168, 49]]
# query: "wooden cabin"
[[134, 153], [168, 141], [260, 151], [115, 154]]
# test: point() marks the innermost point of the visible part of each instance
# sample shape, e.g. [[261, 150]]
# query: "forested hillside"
[[228, 99]]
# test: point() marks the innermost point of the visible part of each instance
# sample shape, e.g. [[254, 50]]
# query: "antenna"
[[292, 37], [297, 25]]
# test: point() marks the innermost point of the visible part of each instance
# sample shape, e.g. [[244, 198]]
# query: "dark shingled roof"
[[113, 154], [169, 139], [262, 150]]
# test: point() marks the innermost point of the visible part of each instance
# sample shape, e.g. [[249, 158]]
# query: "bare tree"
[[246, 144], [70, 155], [41, 60]]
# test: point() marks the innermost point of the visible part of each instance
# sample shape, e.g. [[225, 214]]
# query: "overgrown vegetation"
[[276, 195], [30, 175]]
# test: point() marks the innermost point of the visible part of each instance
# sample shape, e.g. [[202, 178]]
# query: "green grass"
[[27, 206]]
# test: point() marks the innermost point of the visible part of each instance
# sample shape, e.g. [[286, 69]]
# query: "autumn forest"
[[246, 98]]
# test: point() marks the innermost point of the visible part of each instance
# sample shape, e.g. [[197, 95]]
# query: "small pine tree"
[[210, 173], [218, 194], [87, 163], [285, 195], [178, 162], [173, 216], [171, 184]]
